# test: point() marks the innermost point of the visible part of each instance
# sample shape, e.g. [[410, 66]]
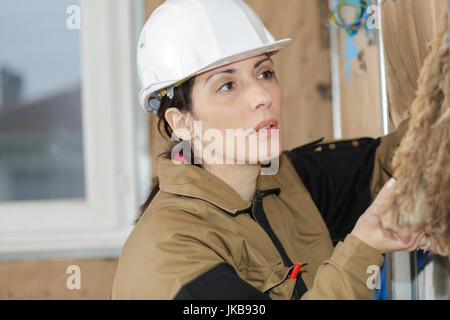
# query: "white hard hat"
[[183, 38]]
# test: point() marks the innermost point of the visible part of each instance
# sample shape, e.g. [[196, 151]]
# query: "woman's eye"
[[267, 75], [228, 85]]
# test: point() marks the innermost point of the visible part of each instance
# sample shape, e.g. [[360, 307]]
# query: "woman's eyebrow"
[[261, 61], [231, 71]]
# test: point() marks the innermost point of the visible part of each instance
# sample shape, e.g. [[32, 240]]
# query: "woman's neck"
[[241, 177]]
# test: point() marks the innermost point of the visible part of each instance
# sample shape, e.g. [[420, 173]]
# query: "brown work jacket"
[[198, 239]]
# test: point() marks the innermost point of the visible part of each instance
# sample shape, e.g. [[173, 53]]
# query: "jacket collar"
[[191, 181]]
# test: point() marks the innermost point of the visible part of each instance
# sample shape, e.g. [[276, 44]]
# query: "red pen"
[[296, 269]]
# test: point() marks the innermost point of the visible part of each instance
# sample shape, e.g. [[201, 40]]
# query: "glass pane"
[[41, 147]]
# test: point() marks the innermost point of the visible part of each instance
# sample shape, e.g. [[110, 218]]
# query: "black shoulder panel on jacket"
[[220, 283], [338, 177]]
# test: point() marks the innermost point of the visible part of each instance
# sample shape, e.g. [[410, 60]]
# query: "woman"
[[220, 229]]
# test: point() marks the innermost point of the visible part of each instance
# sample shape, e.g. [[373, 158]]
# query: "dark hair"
[[182, 100]]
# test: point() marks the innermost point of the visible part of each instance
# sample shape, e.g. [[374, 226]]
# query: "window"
[[41, 148], [72, 139]]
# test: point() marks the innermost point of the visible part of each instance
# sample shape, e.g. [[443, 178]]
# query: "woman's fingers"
[[416, 240], [402, 241], [426, 244], [411, 235], [423, 241], [380, 202]]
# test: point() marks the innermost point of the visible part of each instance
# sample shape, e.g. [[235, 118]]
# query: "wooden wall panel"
[[47, 279], [360, 97], [409, 26], [303, 70]]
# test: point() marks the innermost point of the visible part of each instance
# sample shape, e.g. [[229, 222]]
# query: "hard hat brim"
[[273, 47]]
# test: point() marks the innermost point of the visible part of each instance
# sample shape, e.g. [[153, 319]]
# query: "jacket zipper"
[[261, 218]]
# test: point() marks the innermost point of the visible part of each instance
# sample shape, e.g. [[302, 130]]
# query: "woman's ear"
[[180, 123]]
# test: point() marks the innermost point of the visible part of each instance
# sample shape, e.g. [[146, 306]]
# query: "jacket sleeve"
[[384, 154], [344, 176], [348, 273], [167, 257]]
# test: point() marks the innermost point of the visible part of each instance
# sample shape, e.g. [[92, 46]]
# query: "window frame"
[[100, 223]]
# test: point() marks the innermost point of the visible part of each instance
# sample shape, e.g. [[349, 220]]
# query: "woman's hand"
[[368, 228]]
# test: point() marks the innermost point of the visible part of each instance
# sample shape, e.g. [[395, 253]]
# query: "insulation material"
[[422, 161]]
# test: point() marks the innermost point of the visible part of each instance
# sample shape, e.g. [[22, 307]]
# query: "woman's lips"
[[263, 124], [266, 132], [264, 128]]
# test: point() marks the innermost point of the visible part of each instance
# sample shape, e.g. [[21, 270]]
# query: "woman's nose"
[[259, 97]]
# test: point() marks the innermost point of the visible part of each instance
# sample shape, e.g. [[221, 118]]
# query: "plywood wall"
[[303, 70], [360, 94], [47, 279], [409, 26]]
